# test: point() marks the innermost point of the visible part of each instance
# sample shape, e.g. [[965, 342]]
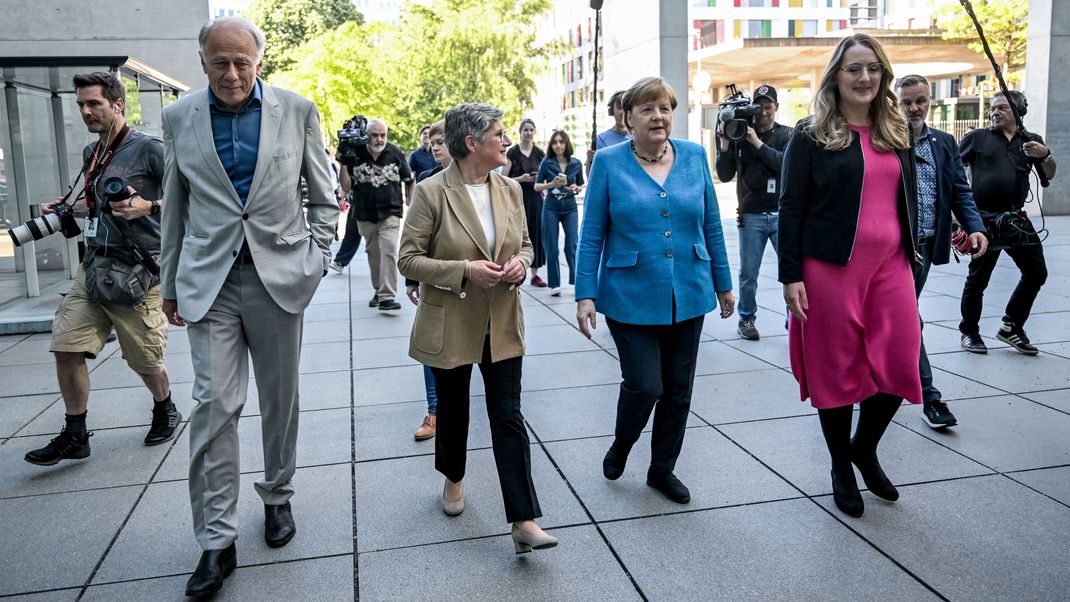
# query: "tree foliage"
[[1005, 23], [443, 53], [289, 23]]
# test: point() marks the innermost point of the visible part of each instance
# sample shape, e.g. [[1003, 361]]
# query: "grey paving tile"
[[388, 385], [35, 351], [119, 457], [743, 396], [34, 379], [772, 350], [158, 538], [1007, 433], [535, 316], [716, 471], [561, 338], [321, 357], [716, 357], [385, 353], [954, 387], [1008, 370], [562, 370], [7, 341], [321, 312], [318, 391], [996, 527], [395, 496], [114, 372], [38, 553], [581, 567], [944, 337], [112, 408], [378, 327], [788, 550], [795, 449], [62, 595], [1049, 481], [328, 331], [557, 414], [386, 431], [326, 579], [16, 412], [177, 340], [1059, 349], [1060, 400], [322, 438], [1041, 328], [331, 295]]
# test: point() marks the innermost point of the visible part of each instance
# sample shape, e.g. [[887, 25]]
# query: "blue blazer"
[[953, 194], [642, 243]]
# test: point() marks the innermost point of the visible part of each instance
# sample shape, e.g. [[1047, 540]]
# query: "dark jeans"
[[509, 436], [657, 364], [351, 241], [1030, 261], [553, 214], [921, 274]]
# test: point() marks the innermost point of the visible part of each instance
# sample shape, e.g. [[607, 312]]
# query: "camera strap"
[[97, 163]]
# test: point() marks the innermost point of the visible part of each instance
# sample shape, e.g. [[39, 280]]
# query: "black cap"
[[765, 91]]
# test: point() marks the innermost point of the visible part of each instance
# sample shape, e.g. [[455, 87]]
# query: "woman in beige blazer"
[[465, 240]]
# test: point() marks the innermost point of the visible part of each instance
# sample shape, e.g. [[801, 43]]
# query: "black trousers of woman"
[[509, 436], [657, 364]]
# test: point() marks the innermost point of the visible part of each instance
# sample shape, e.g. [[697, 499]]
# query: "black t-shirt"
[[999, 169], [759, 167], [376, 192]]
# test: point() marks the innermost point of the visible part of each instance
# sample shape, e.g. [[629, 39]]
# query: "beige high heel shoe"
[[524, 542], [453, 508]]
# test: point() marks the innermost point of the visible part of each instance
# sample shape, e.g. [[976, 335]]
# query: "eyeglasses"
[[500, 134], [855, 70]]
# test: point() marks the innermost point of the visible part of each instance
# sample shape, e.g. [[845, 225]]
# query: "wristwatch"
[[1046, 159], [155, 210]]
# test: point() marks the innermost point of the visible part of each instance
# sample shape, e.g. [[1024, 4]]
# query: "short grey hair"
[[910, 80], [241, 23], [378, 121], [468, 119]]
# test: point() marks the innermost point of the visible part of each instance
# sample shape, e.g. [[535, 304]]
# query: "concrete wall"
[[1048, 91], [162, 35], [644, 38]]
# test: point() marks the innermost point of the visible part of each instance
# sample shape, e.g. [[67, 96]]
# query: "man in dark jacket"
[[758, 157], [942, 191]]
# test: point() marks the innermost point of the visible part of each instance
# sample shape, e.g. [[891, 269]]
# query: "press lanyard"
[[97, 169]]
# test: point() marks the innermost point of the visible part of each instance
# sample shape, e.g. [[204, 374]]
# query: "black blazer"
[[953, 194], [820, 200]]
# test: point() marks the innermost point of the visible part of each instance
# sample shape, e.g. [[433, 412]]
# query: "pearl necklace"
[[664, 151]]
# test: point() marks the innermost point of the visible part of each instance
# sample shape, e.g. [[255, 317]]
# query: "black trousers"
[[509, 436], [657, 365], [1030, 261]]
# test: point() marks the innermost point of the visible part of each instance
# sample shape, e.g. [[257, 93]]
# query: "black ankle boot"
[[613, 463], [845, 493], [874, 415], [213, 568], [873, 476]]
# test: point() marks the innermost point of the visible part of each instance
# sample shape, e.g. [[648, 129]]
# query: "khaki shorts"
[[82, 326]]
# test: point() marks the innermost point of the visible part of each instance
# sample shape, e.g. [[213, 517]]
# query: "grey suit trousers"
[[244, 321]]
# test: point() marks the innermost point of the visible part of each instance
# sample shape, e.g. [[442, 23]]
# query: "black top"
[[758, 165], [520, 164], [376, 192], [999, 169], [822, 198]]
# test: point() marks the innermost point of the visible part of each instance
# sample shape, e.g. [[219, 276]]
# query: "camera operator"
[[115, 233], [758, 157], [999, 158]]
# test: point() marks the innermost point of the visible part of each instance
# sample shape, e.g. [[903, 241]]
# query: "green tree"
[[289, 23], [1005, 23]]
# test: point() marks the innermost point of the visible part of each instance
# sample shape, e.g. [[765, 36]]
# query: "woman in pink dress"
[[846, 256]]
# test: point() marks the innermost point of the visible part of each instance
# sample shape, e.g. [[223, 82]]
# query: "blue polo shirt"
[[237, 140]]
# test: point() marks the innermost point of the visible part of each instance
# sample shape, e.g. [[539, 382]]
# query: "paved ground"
[[984, 512]]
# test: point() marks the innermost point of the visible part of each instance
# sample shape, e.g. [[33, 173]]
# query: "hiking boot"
[[66, 446]]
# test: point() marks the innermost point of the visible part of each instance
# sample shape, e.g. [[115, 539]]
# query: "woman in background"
[[522, 163], [561, 177]]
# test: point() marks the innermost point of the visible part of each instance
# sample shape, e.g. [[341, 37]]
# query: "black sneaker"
[[66, 446], [375, 301], [389, 305], [1015, 337], [669, 486], [937, 415], [747, 330], [164, 425], [973, 343]]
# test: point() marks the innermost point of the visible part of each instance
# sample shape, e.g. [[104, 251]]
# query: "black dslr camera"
[[60, 220], [737, 113], [352, 136]]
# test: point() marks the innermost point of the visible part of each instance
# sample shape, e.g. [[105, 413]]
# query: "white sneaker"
[[337, 267], [555, 292]]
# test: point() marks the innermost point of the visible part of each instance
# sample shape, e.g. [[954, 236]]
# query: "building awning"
[[19, 69]]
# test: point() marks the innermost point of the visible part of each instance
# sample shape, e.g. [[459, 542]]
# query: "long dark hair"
[[568, 144]]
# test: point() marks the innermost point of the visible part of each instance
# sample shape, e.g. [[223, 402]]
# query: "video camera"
[[352, 136], [737, 113]]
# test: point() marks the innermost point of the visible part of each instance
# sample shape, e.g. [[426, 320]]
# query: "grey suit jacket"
[[204, 222]]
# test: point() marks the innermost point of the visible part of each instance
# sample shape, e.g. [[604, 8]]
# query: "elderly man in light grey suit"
[[240, 262]]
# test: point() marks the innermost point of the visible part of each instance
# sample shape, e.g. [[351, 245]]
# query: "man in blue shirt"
[[422, 159], [614, 135]]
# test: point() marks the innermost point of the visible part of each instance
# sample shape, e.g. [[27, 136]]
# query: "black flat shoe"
[[214, 567], [613, 463], [845, 494], [279, 527], [876, 481], [669, 486]]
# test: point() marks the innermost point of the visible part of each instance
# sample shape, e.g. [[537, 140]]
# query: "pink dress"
[[862, 334]]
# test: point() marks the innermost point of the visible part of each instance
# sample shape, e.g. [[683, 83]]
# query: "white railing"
[[956, 127]]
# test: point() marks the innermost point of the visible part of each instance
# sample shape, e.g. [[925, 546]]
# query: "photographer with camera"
[[756, 153], [1000, 158], [117, 285]]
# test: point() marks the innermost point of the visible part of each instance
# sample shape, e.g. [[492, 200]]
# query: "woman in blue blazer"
[[652, 255]]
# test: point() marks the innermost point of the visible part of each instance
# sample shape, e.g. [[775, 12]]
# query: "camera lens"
[[35, 229], [114, 189]]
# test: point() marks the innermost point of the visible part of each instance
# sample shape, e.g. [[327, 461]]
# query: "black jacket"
[[757, 165], [820, 200]]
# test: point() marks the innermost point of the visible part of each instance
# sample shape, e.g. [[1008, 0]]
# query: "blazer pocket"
[[283, 156], [295, 237], [428, 332], [702, 253], [624, 259]]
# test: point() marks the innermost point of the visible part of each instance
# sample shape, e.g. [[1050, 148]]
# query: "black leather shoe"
[[873, 475], [389, 305], [669, 486], [214, 567], [375, 301], [279, 527], [613, 463], [845, 494]]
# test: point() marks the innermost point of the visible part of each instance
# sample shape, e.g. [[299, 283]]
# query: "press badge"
[[770, 185], [91, 226]]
